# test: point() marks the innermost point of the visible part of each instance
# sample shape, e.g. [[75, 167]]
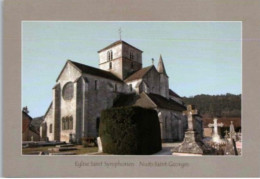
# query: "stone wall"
[[122, 63], [117, 53], [67, 107], [116, 69], [152, 79], [136, 53], [48, 120], [98, 99], [43, 131], [164, 86], [172, 125], [29, 135], [56, 112]]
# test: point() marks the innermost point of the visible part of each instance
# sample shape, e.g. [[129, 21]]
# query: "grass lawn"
[[80, 150]]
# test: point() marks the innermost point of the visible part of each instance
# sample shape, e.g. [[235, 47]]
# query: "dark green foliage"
[[130, 130], [228, 105]]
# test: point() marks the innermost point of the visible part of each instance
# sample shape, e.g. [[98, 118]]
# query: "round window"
[[68, 91]]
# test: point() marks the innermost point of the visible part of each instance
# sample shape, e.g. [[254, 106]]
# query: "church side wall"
[[172, 125], [152, 78], [98, 100], [164, 86], [49, 119], [135, 86]]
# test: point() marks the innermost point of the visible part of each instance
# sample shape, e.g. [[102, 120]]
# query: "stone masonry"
[[81, 92]]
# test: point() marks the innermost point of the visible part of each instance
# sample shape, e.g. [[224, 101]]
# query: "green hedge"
[[130, 130]]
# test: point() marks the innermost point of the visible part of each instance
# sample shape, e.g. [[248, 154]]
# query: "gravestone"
[[215, 125], [189, 144], [232, 132], [100, 149], [226, 134]]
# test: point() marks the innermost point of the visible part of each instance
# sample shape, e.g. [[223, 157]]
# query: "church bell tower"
[[120, 58]]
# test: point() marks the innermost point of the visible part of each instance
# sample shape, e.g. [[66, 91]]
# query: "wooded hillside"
[[228, 105]]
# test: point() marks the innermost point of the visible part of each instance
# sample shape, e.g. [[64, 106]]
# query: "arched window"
[[67, 123], [70, 122], [110, 65], [50, 128], [109, 55], [131, 87], [67, 91]]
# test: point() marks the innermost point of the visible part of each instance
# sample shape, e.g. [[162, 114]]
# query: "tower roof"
[[161, 68], [118, 42]]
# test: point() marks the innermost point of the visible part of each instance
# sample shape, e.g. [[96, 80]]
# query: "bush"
[[130, 130]]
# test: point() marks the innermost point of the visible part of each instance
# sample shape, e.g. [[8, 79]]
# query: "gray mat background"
[[16, 165]]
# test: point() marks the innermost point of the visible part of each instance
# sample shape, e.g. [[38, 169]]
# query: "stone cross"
[[215, 125], [189, 114], [232, 130], [152, 61]]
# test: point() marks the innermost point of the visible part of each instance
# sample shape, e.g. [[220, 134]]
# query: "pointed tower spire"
[[161, 68]]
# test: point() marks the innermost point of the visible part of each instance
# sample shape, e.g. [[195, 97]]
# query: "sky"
[[200, 57]]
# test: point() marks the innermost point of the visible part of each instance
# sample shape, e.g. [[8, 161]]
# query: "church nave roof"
[[141, 100], [139, 74], [94, 71]]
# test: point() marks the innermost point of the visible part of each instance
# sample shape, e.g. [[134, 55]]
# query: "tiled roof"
[[36, 122], [95, 71], [118, 42], [172, 93], [139, 74], [26, 121], [165, 103], [225, 120], [159, 101]]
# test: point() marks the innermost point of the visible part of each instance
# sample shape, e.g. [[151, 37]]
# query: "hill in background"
[[227, 105]]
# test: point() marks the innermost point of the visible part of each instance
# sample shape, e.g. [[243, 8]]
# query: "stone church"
[[81, 92]]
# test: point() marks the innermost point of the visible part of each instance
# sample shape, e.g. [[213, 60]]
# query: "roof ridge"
[[145, 68], [106, 74], [85, 65]]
